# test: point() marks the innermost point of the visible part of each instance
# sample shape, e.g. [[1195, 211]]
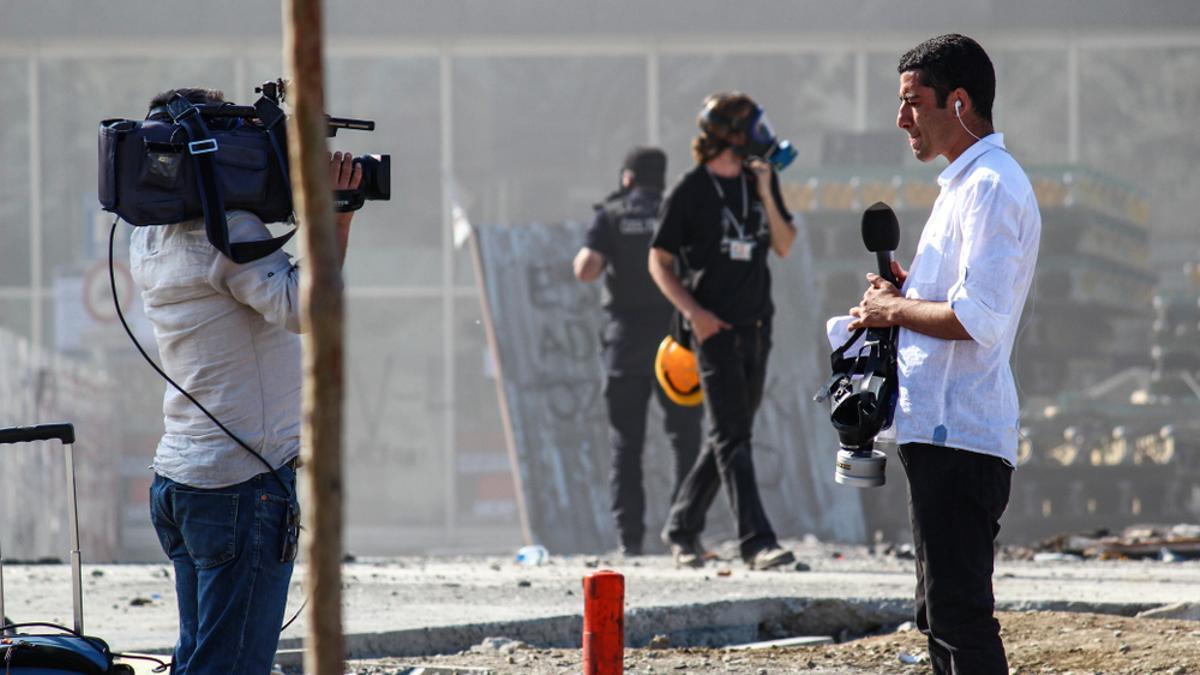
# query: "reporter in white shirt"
[[958, 308]]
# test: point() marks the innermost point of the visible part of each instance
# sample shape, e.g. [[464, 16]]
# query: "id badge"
[[741, 250]]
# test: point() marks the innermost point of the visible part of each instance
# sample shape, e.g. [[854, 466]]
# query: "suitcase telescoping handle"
[[65, 432]]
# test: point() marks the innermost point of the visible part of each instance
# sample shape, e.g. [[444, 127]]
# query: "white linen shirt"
[[977, 251], [227, 333]]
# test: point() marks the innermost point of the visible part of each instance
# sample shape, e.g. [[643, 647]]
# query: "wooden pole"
[[493, 343], [321, 318]]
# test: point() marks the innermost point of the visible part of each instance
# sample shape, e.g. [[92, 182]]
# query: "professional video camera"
[[377, 169], [863, 389], [188, 160]]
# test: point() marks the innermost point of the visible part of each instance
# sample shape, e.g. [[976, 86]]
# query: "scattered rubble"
[[1137, 542], [1037, 642]]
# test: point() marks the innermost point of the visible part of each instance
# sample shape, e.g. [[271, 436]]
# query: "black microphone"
[[881, 235]]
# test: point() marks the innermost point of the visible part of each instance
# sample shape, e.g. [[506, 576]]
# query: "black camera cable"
[[112, 280]]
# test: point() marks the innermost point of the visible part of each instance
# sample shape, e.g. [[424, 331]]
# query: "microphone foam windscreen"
[[880, 229]]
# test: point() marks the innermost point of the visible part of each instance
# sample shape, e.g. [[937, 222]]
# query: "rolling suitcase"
[[29, 648]]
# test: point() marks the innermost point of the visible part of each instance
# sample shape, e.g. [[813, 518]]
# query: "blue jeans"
[[226, 545]]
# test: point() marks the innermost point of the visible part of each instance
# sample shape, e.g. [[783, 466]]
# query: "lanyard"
[[739, 224]]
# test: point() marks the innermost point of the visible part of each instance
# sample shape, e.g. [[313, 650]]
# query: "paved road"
[[132, 607]]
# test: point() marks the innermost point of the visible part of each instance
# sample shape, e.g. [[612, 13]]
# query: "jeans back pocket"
[[208, 522]]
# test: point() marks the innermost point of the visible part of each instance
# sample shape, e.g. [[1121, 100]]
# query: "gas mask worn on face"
[[762, 142]]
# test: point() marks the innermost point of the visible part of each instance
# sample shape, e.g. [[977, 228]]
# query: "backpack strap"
[[201, 147]]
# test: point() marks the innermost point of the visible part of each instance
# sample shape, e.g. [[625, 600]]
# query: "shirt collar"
[[992, 140]]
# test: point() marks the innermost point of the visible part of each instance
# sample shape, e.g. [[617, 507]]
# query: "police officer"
[[638, 318]]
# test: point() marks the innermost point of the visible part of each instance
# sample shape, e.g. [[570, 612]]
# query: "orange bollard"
[[603, 623]]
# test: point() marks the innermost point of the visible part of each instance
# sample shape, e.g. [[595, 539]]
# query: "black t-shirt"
[[722, 246]]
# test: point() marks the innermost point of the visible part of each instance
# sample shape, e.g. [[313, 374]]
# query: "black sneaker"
[[770, 558], [631, 550]]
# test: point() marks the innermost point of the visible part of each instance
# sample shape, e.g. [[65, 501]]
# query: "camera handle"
[[201, 148], [345, 201]]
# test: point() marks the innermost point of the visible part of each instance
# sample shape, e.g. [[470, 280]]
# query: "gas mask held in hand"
[[862, 399]]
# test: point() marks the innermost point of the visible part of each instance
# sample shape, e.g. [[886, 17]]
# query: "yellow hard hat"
[[677, 372]]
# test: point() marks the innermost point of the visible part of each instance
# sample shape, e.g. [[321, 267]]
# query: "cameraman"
[[718, 223], [638, 318], [228, 334], [958, 309]]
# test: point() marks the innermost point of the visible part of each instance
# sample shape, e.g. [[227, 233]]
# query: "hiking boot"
[[770, 558], [687, 554]]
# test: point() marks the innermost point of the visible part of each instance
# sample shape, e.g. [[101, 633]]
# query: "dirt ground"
[[1037, 642]]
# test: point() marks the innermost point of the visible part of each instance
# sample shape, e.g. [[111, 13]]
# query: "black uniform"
[[638, 318], [718, 229]]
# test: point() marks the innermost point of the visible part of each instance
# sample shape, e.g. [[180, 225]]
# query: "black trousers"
[[628, 397], [733, 370], [955, 502]]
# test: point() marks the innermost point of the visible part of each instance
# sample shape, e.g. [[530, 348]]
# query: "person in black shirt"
[[718, 225], [638, 318]]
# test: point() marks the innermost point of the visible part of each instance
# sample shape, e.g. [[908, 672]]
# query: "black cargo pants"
[[628, 398], [733, 371]]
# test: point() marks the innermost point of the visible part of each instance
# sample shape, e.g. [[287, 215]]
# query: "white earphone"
[[958, 116]]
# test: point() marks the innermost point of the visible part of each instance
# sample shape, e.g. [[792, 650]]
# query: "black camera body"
[[188, 161]]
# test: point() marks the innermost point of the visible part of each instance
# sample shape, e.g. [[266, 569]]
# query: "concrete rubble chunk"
[[1189, 611], [502, 645], [447, 670], [798, 641], [659, 642]]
